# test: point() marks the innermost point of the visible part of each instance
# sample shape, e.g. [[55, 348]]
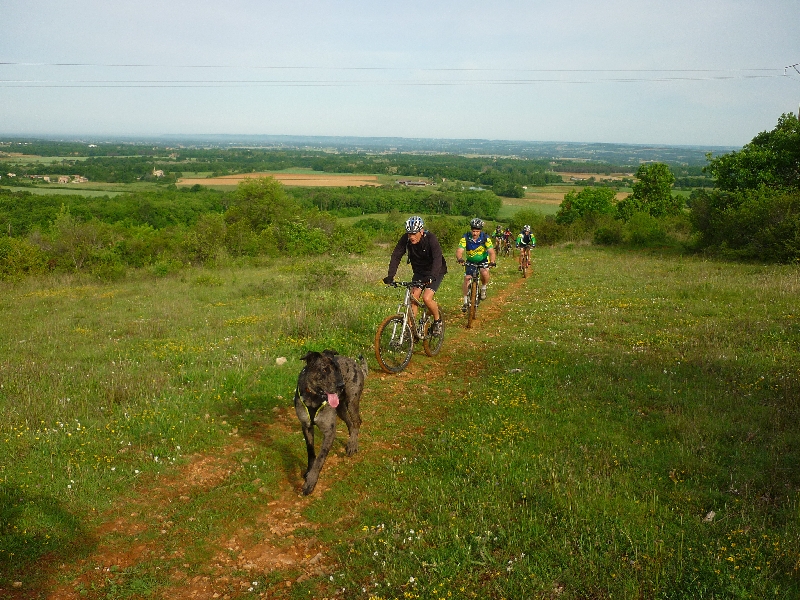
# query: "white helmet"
[[414, 224]]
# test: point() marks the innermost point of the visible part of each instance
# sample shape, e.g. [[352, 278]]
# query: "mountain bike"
[[473, 271], [507, 249], [525, 259], [396, 335]]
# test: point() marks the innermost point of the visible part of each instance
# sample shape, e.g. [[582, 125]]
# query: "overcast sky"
[[645, 72]]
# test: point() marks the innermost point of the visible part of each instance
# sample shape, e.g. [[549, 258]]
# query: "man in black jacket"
[[427, 263]]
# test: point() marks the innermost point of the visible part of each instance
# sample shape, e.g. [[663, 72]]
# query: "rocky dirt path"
[[142, 530]]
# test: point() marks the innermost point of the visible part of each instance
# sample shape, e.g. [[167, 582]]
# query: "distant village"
[[68, 178]]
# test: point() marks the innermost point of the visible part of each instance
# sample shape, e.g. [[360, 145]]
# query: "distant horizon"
[[342, 139]]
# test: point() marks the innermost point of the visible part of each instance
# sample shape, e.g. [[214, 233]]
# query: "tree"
[[771, 159], [261, 202], [652, 193], [589, 201]]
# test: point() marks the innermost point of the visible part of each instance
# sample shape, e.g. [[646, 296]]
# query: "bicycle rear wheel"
[[433, 342], [472, 309], [393, 344]]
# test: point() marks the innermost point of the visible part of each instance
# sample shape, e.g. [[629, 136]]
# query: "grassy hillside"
[[619, 425]]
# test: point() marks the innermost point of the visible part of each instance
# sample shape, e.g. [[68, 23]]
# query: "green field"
[[54, 191], [619, 425]]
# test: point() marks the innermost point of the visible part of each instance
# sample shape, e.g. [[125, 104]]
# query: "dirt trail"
[[139, 528]]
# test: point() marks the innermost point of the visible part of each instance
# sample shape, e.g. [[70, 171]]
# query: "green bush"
[[349, 239], [643, 229], [608, 234], [296, 238], [19, 257], [760, 224], [447, 231]]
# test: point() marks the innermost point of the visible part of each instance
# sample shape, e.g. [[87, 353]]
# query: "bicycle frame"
[[396, 335], [405, 309]]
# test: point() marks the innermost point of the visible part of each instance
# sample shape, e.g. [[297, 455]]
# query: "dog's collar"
[[308, 412]]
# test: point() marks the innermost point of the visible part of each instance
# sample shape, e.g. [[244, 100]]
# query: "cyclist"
[[507, 238], [427, 264], [478, 247], [525, 240], [498, 239]]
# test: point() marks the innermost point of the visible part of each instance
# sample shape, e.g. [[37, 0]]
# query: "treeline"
[[167, 229], [752, 212], [103, 169], [259, 219], [505, 175], [354, 201], [23, 212]]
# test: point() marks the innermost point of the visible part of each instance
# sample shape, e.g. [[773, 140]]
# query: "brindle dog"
[[328, 385]]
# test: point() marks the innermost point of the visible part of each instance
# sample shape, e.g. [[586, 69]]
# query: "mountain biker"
[[427, 264], [525, 240], [498, 238], [507, 237], [478, 247]]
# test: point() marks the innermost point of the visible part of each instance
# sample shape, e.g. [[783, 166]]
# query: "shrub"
[[761, 224], [608, 234], [447, 231], [19, 257], [642, 229], [296, 238], [350, 240], [589, 201]]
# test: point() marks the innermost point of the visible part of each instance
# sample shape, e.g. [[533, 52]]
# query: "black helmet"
[[476, 224]]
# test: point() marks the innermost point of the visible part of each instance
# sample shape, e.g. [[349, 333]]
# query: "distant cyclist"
[[427, 264], [507, 237], [525, 241], [478, 248], [498, 238]]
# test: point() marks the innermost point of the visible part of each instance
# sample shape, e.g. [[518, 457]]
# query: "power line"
[[173, 83], [373, 68]]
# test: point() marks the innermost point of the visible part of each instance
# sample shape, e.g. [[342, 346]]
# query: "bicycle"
[[396, 335], [473, 294], [507, 249], [525, 259]]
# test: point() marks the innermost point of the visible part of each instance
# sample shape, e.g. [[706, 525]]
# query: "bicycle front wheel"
[[472, 309], [394, 344], [433, 341]]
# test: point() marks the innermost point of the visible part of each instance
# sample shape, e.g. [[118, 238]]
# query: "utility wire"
[[328, 68], [173, 83]]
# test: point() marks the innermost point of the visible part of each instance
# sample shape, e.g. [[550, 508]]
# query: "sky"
[[684, 72]]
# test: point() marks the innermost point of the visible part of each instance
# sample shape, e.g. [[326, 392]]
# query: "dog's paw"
[[308, 488], [352, 448]]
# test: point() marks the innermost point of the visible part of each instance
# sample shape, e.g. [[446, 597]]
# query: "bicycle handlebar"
[[408, 284]]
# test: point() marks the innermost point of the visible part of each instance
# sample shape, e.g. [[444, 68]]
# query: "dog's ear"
[[311, 357]]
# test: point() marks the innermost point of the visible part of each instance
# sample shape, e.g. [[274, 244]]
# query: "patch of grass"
[[591, 438], [575, 445]]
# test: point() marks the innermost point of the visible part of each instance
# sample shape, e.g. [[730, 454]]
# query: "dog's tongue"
[[333, 400]]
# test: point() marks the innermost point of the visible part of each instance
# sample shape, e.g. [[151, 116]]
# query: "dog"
[[328, 385]]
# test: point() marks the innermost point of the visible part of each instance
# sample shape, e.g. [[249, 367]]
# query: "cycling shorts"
[[433, 285]]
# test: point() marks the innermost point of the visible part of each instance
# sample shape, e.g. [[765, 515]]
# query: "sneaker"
[[436, 328], [483, 293], [464, 307]]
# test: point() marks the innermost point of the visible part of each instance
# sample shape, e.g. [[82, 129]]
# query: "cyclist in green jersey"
[[525, 241], [478, 248]]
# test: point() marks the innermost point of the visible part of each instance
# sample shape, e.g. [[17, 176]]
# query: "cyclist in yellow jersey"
[[478, 248]]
